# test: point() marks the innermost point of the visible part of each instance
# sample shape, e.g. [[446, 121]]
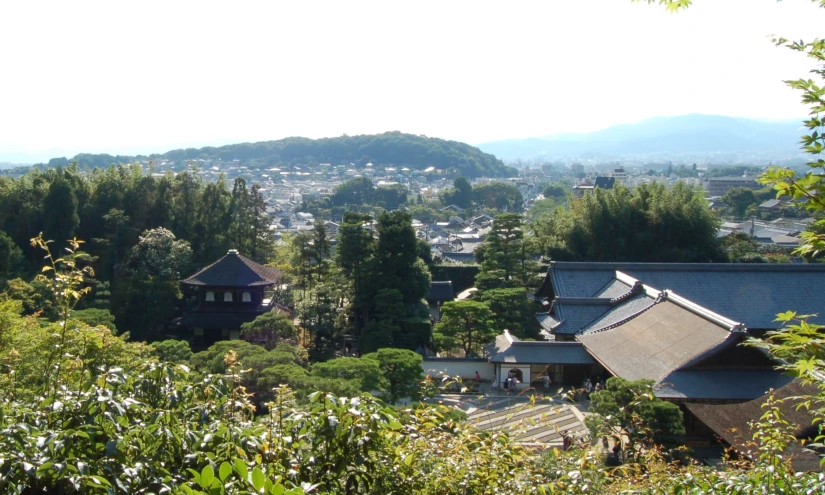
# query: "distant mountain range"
[[685, 134]]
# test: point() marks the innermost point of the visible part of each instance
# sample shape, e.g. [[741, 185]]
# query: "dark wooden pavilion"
[[223, 296]]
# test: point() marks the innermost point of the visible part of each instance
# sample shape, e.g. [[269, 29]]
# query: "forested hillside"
[[389, 148]]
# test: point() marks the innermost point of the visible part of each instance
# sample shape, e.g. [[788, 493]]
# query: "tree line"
[[142, 233]]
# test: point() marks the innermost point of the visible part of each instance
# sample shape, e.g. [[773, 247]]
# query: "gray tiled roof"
[[234, 270], [732, 422], [546, 321], [751, 293], [543, 353], [657, 342], [462, 257], [621, 312], [613, 288], [574, 317], [714, 383]]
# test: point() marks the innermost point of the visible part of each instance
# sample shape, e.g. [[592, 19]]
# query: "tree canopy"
[[389, 148], [651, 222]]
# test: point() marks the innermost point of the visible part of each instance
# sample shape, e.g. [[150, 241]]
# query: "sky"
[[142, 77]]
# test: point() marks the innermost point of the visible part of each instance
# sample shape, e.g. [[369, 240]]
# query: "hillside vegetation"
[[389, 148]]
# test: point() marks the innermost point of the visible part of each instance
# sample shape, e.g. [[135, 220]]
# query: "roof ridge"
[[732, 326], [675, 267]]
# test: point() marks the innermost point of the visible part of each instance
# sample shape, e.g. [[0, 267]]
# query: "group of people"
[[589, 386], [511, 383]]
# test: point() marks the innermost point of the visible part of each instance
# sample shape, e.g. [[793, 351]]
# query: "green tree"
[[467, 325], [261, 239], [500, 196], [366, 372], [240, 225], [385, 327], [214, 220], [632, 407], [403, 370], [269, 329], [357, 191], [173, 351], [186, 190], [506, 257], [555, 191], [148, 289], [11, 257], [62, 220], [95, 317], [354, 254], [738, 245], [651, 222], [397, 263], [739, 199], [460, 195], [512, 310]]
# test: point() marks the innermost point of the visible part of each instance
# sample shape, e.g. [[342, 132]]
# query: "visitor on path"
[[547, 382]]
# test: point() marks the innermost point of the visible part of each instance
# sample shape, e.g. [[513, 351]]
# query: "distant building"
[[619, 174], [718, 186], [600, 182], [226, 294]]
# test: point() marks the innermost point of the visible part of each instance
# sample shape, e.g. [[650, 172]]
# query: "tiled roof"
[[716, 383], [657, 342], [544, 353], [575, 317], [613, 288], [234, 270], [731, 422], [546, 321], [508, 349], [621, 312], [751, 293]]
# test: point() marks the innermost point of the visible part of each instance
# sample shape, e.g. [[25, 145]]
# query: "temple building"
[[223, 296]]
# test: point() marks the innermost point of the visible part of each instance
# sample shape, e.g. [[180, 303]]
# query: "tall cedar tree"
[[354, 254], [506, 258]]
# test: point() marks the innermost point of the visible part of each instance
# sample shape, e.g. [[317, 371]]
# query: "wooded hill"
[[389, 148]]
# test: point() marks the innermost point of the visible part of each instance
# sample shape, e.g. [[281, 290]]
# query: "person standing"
[[547, 382]]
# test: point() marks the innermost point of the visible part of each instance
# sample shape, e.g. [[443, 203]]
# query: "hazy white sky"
[[153, 76]]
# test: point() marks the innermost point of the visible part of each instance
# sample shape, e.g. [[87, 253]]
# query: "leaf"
[[207, 475], [224, 471], [258, 479], [241, 469]]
